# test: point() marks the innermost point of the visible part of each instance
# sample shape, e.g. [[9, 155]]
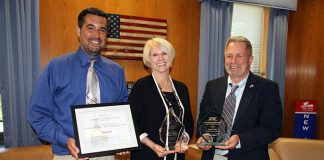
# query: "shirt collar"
[[85, 58], [240, 84]]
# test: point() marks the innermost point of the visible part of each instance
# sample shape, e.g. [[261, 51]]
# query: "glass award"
[[212, 129], [172, 132]]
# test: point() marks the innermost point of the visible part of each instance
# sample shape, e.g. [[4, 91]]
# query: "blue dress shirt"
[[62, 84]]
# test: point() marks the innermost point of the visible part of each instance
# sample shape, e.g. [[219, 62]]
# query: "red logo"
[[306, 106]]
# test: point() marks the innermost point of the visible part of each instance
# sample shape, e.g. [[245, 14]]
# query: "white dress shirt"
[[238, 93]]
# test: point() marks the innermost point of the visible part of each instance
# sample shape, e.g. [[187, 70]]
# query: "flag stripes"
[[128, 34]]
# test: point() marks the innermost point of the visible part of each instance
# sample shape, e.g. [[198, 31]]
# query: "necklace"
[[174, 107], [167, 100], [174, 92]]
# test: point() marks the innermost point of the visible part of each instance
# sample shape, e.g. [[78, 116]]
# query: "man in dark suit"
[[257, 119]]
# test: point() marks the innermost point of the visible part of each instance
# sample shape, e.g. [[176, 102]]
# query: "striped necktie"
[[228, 111], [93, 91]]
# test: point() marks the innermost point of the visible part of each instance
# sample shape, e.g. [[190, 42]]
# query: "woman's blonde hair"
[[160, 43]]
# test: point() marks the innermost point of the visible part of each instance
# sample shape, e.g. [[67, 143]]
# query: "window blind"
[[248, 21]]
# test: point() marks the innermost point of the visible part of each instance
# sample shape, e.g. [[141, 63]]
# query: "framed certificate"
[[103, 129]]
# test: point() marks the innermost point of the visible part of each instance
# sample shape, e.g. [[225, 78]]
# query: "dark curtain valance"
[[281, 4]]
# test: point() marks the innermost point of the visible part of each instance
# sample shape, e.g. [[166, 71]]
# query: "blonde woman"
[[155, 95]]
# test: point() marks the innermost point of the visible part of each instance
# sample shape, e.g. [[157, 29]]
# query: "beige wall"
[[58, 20]]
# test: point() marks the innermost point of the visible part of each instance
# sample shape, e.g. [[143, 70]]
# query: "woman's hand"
[[160, 151], [181, 147]]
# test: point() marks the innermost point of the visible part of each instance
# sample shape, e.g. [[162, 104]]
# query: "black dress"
[[149, 112]]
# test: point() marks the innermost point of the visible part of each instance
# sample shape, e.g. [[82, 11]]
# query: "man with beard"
[[250, 105], [64, 83]]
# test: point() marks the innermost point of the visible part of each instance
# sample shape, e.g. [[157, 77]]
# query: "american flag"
[[127, 35]]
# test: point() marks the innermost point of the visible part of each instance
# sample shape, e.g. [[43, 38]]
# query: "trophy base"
[[202, 144]]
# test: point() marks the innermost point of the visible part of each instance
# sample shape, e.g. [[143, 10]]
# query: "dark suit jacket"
[[258, 121], [149, 112]]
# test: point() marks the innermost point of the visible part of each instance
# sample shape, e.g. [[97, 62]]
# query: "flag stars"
[[114, 22]]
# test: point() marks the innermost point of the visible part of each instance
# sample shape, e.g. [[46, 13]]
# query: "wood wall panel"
[[304, 62], [58, 20]]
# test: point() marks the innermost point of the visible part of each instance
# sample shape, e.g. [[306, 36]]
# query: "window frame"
[[263, 44]]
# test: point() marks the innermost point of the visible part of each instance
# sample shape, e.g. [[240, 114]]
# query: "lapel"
[[247, 96], [220, 95]]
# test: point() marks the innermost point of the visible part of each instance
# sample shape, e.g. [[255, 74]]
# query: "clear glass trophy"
[[172, 132], [212, 129]]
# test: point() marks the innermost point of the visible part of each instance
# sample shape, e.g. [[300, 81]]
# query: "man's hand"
[[74, 150], [230, 143], [123, 153], [200, 140]]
